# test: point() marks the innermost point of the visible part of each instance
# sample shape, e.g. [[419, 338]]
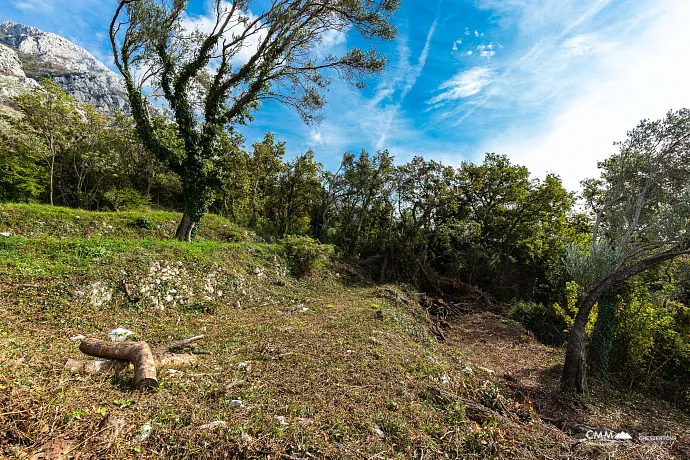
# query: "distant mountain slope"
[[42, 54]]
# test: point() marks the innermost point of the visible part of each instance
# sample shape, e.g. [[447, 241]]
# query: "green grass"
[[34, 219]]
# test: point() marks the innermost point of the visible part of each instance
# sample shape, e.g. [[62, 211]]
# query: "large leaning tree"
[[214, 79], [641, 214]]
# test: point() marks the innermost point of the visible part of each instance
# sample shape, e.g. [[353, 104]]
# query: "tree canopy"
[[210, 86]]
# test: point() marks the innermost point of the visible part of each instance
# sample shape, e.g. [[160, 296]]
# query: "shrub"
[[548, 323], [125, 198], [305, 255], [143, 223]]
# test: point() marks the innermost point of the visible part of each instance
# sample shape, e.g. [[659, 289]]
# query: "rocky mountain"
[[28, 54]]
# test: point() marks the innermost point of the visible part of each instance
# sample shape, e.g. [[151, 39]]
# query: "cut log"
[[137, 353], [103, 366]]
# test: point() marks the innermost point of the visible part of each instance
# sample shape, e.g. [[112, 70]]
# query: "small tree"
[[641, 208], [208, 85], [48, 119]]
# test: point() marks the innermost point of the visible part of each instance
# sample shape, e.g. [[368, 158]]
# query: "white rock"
[[238, 304], [280, 420], [243, 365], [236, 403], [80, 74], [172, 372], [484, 369], [379, 432], [77, 337], [214, 425], [144, 433], [6, 234], [119, 334], [444, 379]]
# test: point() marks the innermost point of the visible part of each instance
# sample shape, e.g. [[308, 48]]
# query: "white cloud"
[[486, 51], [31, 5], [463, 85], [456, 43], [642, 79], [584, 44], [206, 22]]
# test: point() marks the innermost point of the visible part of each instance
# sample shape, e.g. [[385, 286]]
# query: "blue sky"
[[550, 83]]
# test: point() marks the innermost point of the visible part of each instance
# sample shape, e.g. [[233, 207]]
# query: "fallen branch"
[[102, 366], [137, 353], [125, 355]]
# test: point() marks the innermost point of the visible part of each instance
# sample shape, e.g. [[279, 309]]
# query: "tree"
[[514, 225], [209, 87], [265, 164], [641, 210], [292, 194], [48, 117]]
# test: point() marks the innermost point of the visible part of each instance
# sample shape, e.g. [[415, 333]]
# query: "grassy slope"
[[337, 358]]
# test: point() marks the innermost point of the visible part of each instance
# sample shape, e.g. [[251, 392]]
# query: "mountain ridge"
[[45, 54]]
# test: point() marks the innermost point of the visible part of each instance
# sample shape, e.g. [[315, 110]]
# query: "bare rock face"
[[13, 80], [10, 65], [75, 70]]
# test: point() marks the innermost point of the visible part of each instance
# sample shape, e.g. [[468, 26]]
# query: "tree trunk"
[[195, 207], [575, 367], [138, 353], [187, 228], [52, 175]]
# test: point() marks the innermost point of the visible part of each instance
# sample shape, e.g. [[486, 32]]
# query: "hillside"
[[330, 366]]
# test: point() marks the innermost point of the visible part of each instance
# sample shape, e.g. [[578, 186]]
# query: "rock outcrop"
[[43, 54]]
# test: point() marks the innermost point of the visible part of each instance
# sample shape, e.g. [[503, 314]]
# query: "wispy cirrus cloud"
[[463, 85], [626, 71]]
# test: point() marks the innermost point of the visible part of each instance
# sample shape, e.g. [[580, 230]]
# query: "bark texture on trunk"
[[186, 229], [137, 353], [575, 367]]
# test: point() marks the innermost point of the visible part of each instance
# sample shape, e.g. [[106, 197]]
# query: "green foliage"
[[143, 223], [305, 255], [548, 323], [283, 68], [603, 334], [588, 266], [126, 199]]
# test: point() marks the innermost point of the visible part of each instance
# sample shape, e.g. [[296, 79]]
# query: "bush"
[[143, 223], [121, 199], [305, 255], [547, 323]]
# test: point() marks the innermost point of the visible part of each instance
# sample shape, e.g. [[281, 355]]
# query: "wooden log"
[[103, 366], [100, 366], [137, 353]]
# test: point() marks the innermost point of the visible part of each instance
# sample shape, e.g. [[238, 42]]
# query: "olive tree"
[[210, 84], [641, 218]]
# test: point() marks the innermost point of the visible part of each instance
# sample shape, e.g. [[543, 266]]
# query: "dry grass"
[[332, 367]]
